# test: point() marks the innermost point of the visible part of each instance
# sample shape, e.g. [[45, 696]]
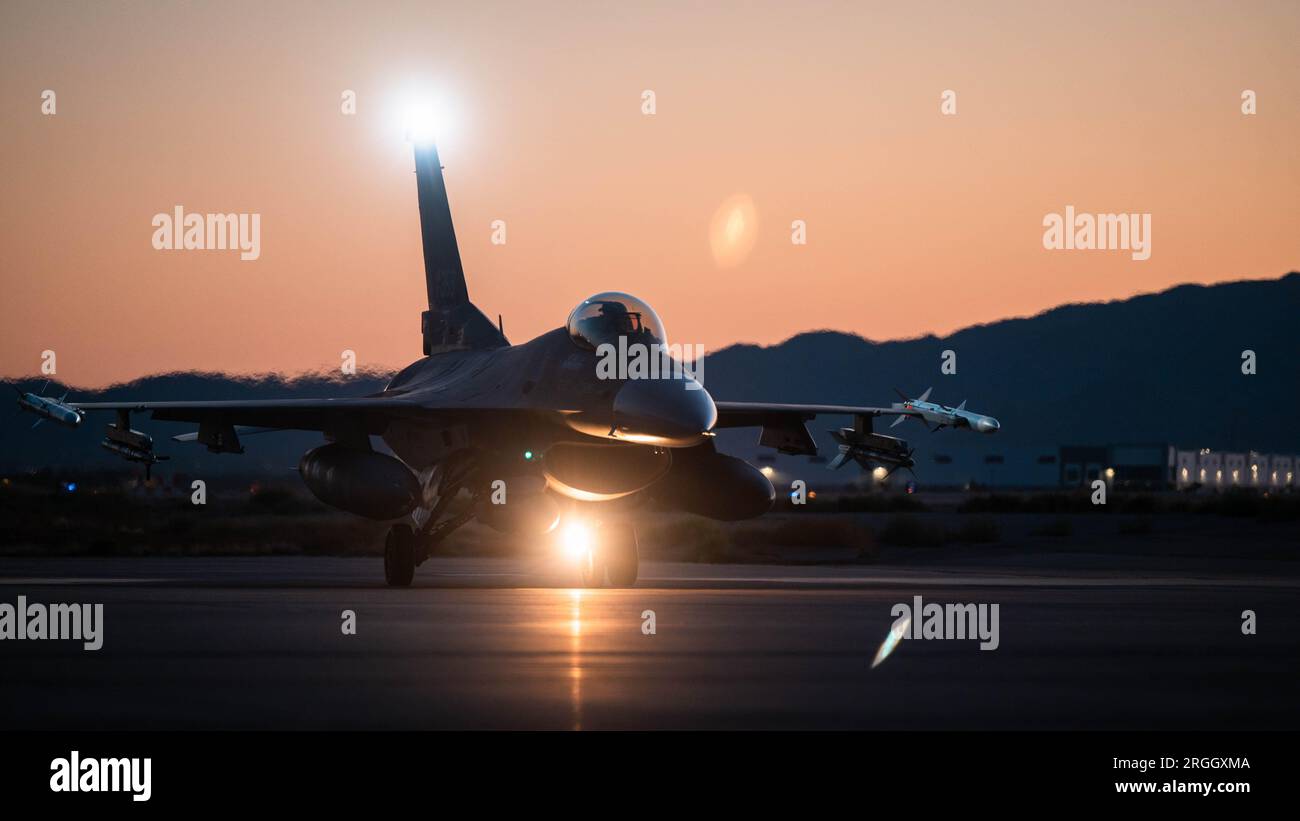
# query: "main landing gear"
[[613, 557], [399, 556], [405, 548]]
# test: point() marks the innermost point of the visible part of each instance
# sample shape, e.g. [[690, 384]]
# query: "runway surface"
[[499, 643]]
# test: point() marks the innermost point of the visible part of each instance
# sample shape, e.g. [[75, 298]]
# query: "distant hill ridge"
[[1152, 368]]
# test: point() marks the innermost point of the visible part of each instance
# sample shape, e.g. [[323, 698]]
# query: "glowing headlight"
[[575, 540]]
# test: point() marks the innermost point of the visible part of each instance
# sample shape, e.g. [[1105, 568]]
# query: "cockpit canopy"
[[605, 317]]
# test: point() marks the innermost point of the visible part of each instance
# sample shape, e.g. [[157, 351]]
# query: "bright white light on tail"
[[423, 123]]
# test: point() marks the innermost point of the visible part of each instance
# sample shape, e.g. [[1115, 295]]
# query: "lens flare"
[[896, 634], [733, 231]]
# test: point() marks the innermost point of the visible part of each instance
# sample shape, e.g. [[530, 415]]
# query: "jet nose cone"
[[669, 412], [989, 425]]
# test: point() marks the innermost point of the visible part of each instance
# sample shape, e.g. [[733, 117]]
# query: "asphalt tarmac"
[[506, 644]]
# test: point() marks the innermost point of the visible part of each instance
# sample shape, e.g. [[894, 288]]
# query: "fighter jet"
[[942, 416], [516, 436]]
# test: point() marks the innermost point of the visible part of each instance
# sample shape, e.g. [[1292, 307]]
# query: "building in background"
[[1219, 471], [949, 462], [1081, 465]]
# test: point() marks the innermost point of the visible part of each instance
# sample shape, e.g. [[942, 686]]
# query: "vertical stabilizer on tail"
[[452, 321], [443, 275]]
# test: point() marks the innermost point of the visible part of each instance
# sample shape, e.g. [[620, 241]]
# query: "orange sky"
[[829, 113]]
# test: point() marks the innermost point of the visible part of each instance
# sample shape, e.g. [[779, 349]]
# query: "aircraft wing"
[[757, 414], [783, 424], [369, 413]]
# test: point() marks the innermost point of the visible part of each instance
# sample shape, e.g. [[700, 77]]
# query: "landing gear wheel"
[[621, 550], [399, 556], [591, 568]]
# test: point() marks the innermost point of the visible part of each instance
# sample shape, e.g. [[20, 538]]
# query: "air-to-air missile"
[[870, 450], [131, 445], [49, 408], [942, 416]]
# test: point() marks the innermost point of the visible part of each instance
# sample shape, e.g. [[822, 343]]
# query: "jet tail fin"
[[452, 321]]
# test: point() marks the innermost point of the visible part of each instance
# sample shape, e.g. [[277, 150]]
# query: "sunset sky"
[[766, 113]]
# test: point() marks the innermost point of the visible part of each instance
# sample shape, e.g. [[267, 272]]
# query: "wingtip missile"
[[942, 416], [47, 408]]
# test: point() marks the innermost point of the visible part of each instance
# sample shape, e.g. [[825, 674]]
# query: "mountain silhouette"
[[1163, 367]]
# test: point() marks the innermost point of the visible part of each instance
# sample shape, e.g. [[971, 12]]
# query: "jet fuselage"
[[556, 384]]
